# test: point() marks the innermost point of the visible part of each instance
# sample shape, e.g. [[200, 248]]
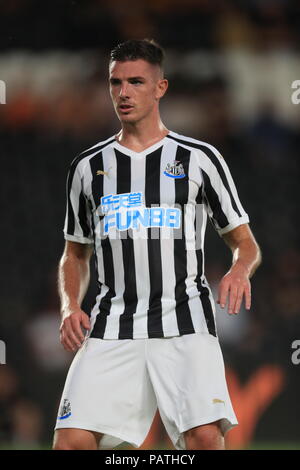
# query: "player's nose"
[[124, 91]]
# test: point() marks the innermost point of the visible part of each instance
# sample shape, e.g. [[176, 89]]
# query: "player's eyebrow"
[[116, 79], [136, 78]]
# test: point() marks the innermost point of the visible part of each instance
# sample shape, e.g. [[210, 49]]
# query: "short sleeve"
[[77, 225], [219, 192]]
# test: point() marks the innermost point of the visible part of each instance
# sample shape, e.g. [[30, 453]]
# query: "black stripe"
[[95, 254], [152, 197], [214, 202], [73, 166], [207, 309], [109, 279], [130, 294], [183, 313], [214, 159], [96, 163], [82, 216], [204, 292]]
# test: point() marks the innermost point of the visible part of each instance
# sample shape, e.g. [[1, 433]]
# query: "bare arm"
[[246, 259], [73, 281]]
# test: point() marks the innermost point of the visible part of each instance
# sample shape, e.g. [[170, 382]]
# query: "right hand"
[[71, 335]]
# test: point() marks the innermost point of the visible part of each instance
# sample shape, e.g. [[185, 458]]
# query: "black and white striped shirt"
[[146, 213]]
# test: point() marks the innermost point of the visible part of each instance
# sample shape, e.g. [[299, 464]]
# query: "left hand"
[[236, 285]]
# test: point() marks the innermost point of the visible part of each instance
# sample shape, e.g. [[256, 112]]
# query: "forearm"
[[247, 254], [73, 281]]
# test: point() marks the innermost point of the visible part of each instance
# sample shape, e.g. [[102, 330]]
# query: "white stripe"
[[75, 191], [117, 302], [140, 246], [86, 185], [104, 288], [203, 278], [194, 302], [203, 228], [95, 310]]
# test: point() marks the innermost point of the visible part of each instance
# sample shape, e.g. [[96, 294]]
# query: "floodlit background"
[[231, 65]]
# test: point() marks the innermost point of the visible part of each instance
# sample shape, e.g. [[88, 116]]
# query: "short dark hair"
[[134, 49]]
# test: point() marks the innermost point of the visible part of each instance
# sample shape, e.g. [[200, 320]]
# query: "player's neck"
[[139, 136]]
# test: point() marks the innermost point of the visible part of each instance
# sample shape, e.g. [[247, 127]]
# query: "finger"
[[66, 343], [232, 298], [223, 293], [239, 298], [248, 297], [86, 322], [76, 329], [70, 335]]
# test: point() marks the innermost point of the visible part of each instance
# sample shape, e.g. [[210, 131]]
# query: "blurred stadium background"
[[231, 64]]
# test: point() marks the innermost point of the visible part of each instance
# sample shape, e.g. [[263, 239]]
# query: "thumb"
[[86, 322]]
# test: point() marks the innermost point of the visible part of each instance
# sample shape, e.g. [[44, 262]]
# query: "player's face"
[[135, 88]]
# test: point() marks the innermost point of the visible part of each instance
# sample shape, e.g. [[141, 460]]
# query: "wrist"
[[241, 265], [68, 308]]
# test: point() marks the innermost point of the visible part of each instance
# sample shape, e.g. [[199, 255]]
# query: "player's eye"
[[135, 81], [115, 81]]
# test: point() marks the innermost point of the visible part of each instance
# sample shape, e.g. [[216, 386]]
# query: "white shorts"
[[115, 386]]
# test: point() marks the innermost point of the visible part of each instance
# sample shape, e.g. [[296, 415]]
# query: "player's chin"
[[127, 118]]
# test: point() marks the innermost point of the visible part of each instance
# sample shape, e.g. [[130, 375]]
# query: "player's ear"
[[162, 86]]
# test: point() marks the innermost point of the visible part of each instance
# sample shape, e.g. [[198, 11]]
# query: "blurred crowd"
[[79, 24], [58, 105]]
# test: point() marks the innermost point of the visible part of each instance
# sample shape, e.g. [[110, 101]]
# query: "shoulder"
[[83, 157], [199, 145], [206, 155]]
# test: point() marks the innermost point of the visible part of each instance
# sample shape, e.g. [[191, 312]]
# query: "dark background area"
[[230, 65]]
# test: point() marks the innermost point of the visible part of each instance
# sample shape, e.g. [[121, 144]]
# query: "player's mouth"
[[125, 108]]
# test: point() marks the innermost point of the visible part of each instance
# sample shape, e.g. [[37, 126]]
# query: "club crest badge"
[[174, 170], [65, 410]]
